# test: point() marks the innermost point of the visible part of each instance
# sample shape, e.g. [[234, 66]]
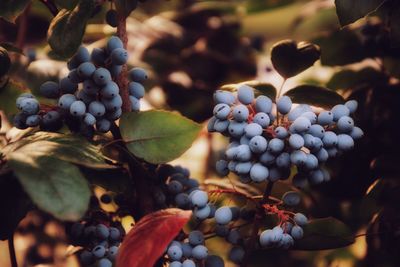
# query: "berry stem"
[[11, 249], [257, 222], [122, 79]]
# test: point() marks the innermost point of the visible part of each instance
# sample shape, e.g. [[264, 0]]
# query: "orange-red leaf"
[[147, 241]]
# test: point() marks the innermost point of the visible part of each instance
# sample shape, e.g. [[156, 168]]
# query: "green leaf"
[[125, 7], [314, 95], [8, 96], [290, 58], [261, 88], [349, 11], [70, 148], [348, 79], [11, 9], [158, 136], [341, 48], [68, 27], [54, 185], [326, 233]]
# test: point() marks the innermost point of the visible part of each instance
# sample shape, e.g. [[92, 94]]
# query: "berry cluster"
[[264, 144], [99, 241], [189, 250], [88, 98]]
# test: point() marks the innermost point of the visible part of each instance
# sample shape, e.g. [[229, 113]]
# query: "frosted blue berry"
[[284, 104], [259, 173], [222, 111], [240, 113], [291, 198], [136, 89], [262, 119], [297, 232], [50, 89], [345, 124], [223, 215], [199, 252], [325, 118], [119, 56], [263, 104], [138, 75], [258, 144], [351, 105], [339, 111], [225, 97], [245, 94]]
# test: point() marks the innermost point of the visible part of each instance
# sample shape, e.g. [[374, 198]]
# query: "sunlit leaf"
[[158, 136]]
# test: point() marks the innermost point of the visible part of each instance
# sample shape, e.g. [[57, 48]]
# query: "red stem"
[[122, 79]]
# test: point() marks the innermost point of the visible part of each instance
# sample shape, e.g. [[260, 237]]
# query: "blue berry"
[[325, 118], [276, 145], [29, 106], [112, 253], [103, 125], [67, 86], [199, 252], [281, 132], [214, 261], [104, 263], [101, 76], [291, 198], [236, 254], [199, 198], [356, 133], [221, 111], [345, 142], [263, 104], [345, 124], [240, 113], [245, 94], [99, 251], [300, 219], [113, 104], [223, 215], [188, 263], [97, 109], [259, 173], [98, 56], [296, 141], [196, 238], [262, 119], [33, 120], [86, 70], [110, 90], [253, 129], [175, 252], [352, 105], [339, 111], [50, 89], [297, 232], [301, 124], [138, 75], [77, 108], [119, 56], [258, 144], [136, 89], [114, 43], [284, 104], [330, 139]]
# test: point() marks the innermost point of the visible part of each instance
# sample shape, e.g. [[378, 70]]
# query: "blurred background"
[[190, 49]]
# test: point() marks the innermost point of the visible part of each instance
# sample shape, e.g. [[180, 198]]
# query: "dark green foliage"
[[290, 58]]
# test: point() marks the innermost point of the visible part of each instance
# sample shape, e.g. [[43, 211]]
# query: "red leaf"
[[147, 241]]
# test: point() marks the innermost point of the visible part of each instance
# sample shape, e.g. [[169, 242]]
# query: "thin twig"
[[11, 249], [257, 222], [51, 6]]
